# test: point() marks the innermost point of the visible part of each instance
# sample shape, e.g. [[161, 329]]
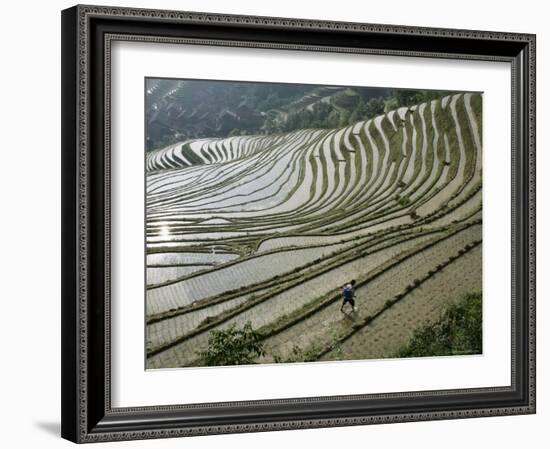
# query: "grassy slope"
[[457, 332]]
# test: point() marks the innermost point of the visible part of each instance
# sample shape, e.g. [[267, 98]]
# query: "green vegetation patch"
[[458, 332], [232, 346]]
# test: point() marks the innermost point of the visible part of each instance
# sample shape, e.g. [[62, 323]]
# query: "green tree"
[[390, 103], [333, 119], [375, 106], [359, 113], [344, 118], [233, 346]]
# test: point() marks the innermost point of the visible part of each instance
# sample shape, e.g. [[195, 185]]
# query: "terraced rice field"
[[267, 229]]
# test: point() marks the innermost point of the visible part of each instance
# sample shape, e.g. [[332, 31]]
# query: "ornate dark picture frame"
[[87, 34]]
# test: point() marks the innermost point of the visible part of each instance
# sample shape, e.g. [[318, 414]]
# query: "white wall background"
[[30, 222]]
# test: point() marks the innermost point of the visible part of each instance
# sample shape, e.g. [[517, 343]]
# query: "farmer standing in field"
[[348, 295]]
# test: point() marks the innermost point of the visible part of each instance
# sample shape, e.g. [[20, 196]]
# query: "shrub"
[[459, 331], [233, 346]]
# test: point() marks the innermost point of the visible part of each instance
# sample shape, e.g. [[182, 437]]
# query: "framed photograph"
[[277, 223]]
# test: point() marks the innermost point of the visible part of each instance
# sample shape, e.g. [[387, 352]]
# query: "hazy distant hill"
[[177, 110]]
